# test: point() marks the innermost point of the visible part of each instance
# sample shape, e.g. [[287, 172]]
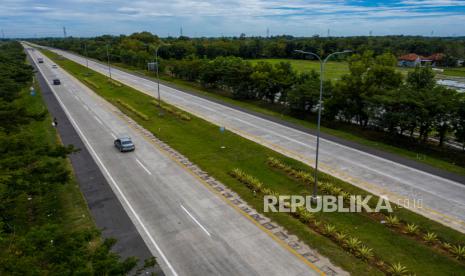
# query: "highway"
[[436, 197], [190, 229]]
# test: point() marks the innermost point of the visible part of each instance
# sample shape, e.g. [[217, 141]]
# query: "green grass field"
[[201, 142], [454, 72], [333, 70]]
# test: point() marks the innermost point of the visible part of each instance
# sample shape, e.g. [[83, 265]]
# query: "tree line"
[[35, 238], [372, 95], [138, 48]]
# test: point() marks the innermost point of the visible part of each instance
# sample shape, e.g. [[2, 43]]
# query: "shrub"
[[250, 181], [353, 244], [329, 230], [397, 270], [185, 117], [133, 110], [335, 190], [458, 251], [340, 237], [326, 187], [172, 110], [307, 217], [411, 229], [392, 221], [345, 195], [304, 215], [365, 252], [447, 245], [430, 237], [91, 83]]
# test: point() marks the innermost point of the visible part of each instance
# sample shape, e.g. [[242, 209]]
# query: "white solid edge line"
[[112, 180], [143, 167], [198, 223]]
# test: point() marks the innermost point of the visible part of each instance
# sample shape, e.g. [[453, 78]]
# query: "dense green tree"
[[303, 97], [34, 238], [374, 94]]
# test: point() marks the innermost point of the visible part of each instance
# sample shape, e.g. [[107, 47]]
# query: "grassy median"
[[202, 143]]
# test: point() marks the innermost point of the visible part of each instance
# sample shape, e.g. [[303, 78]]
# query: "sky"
[[84, 18]]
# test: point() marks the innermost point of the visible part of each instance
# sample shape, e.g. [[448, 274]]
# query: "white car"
[[54, 66]]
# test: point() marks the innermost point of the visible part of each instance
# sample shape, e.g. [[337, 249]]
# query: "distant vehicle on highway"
[[56, 82], [54, 66], [124, 144], [40, 60]]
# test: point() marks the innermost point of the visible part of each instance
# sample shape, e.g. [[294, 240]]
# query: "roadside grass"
[[455, 72], [74, 213], [201, 142], [349, 133], [333, 69]]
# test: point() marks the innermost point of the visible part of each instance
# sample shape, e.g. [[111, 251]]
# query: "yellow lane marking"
[[166, 153]]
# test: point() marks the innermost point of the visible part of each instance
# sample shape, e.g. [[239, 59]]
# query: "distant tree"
[[459, 124]]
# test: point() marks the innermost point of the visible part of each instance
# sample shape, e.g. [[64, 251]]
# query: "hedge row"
[[351, 244], [390, 220], [133, 110], [173, 110]]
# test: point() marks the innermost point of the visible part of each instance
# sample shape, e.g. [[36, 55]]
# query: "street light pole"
[[320, 104], [158, 77], [109, 67], [87, 60]]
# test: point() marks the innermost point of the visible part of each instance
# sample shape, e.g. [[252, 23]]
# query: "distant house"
[[409, 60], [412, 60]]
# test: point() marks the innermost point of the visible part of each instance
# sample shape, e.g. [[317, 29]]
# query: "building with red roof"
[[412, 60]]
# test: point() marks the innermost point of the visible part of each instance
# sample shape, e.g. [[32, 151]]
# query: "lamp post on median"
[[109, 67], [158, 77], [87, 59], [320, 104]]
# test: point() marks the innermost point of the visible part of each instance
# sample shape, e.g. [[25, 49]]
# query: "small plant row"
[[349, 243], [391, 220], [307, 178], [133, 110], [115, 83], [427, 237], [91, 83], [176, 112]]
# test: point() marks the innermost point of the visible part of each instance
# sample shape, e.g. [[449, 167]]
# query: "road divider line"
[[196, 221], [112, 180], [98, 120], [143, 167]]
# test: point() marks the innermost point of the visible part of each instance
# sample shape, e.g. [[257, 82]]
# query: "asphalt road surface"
[[106, 209], [188, 228], [436, 197]]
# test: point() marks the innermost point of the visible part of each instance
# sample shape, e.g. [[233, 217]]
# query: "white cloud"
[[213, 17]]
